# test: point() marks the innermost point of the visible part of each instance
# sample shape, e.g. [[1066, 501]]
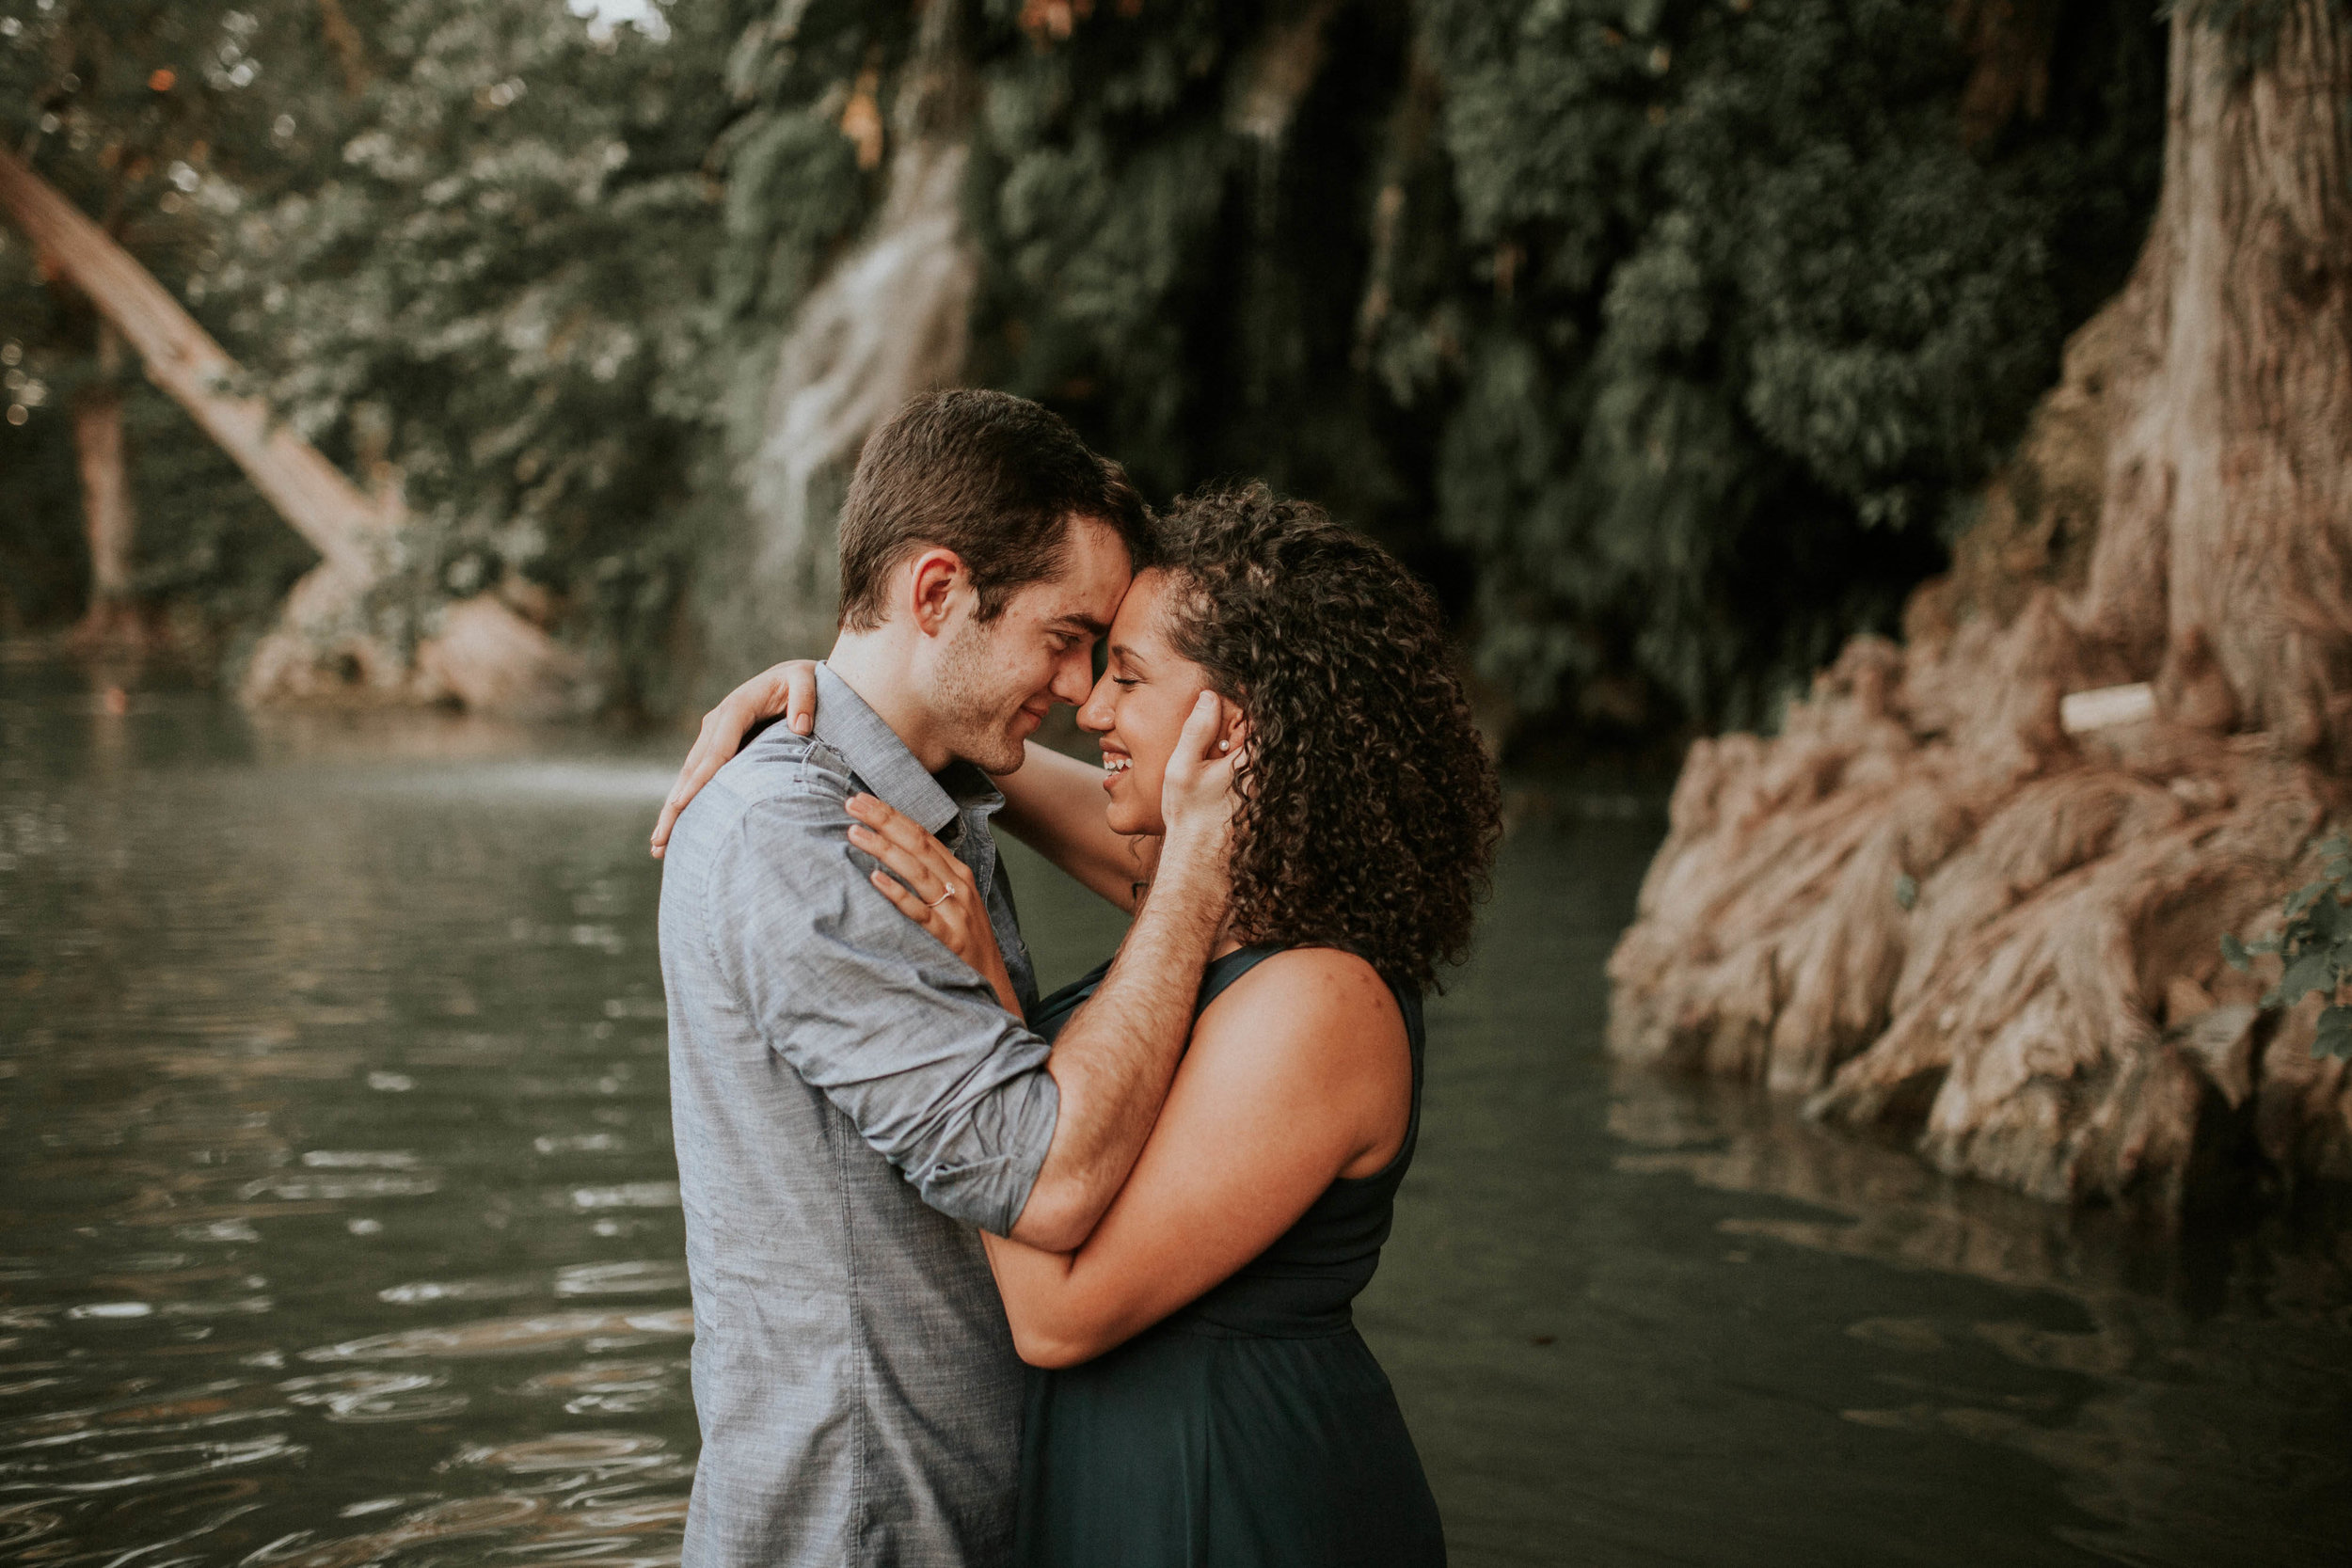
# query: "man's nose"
[[1073, 677]]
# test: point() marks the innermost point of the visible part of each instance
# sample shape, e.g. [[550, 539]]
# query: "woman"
[[1199, 1392]]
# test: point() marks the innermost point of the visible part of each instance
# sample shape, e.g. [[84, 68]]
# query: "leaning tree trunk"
[[109, 517], [1950, 903], [329, 641]]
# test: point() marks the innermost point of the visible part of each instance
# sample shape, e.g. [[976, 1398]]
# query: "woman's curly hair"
[[1369, 809]]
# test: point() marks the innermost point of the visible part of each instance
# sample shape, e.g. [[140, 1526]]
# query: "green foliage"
[[1669, 338], [491, 305], [1760, 321], [1686, 330], [458, 245], [2314, 949], [1175, 246], [796, 189], [162, 118]]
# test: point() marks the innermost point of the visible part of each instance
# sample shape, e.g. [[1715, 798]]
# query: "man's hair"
[[994, 478]]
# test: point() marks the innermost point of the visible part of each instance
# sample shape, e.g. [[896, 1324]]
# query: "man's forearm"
[[1054, 804], [1113, 1064]]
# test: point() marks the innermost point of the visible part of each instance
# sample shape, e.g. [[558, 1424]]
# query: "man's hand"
[[1113, 1062], [1201, 789], [789, 690]]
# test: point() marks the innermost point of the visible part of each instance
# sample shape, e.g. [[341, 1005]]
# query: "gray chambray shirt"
[[850, 1101]]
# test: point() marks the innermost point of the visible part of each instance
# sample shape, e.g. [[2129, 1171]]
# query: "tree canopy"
[[1670, 341]]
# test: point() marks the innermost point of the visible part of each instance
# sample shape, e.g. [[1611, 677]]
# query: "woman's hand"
[[933, 889], [789, 690]]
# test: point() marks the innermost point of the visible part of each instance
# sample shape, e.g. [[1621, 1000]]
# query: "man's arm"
[[864, 1007], [1054, 805], [1114, 1061], [909, 1042]]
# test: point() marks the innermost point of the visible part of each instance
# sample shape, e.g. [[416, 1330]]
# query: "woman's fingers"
[[789, 690], [800, 695], [917, 870], [919, 859], [721, 737], [909, 905], [896, 826]]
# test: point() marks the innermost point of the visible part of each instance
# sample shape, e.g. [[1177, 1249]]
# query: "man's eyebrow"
[[1086, 624]]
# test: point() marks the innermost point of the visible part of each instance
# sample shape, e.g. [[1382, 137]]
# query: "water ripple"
[[521, 1336]]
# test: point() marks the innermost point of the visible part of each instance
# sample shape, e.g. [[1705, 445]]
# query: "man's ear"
[[934, 581]]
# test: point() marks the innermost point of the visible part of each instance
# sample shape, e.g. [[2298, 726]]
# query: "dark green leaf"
[[2325, 919], [2306, 974], [2233, 950], [2334, 1038]]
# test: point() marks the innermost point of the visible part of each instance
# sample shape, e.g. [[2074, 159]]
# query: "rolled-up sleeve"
[[870, 1010]]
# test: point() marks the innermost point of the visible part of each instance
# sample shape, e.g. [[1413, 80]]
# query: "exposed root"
[[2004, 946], [1929, 907], [335, 646]]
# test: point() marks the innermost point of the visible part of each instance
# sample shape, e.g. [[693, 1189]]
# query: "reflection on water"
[[339, 1224], [2211, 1373]]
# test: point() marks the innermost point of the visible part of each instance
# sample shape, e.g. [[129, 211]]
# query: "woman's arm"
[[1054, 805], [789, 690], [1300, 1073]]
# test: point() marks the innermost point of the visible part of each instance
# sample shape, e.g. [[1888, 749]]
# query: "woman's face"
[[1141, 704]]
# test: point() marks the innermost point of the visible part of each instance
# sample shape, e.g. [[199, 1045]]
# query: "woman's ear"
[[1232, 733]]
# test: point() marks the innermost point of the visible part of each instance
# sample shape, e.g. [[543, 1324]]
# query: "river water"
[[339, 1220]]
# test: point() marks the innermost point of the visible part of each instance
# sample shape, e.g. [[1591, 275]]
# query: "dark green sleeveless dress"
[[1250, 1429]]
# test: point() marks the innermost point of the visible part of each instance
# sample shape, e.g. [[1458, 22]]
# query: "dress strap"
[[1223, 971]]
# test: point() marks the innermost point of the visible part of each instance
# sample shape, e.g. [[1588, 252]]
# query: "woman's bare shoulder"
[[1319, 1029], [1313, 999]]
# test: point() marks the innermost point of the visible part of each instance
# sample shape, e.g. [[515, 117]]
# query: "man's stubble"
[[973, 703]]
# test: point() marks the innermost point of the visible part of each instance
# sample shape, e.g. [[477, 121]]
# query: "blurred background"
[[1670, 342], [414, 409]]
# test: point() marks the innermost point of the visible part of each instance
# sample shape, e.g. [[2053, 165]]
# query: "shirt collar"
[[881, 760]]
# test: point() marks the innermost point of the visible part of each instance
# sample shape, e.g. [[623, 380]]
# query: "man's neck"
[[874, 665]]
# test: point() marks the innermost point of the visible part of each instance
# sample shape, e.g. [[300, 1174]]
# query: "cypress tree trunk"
[[1951, 903], [109, 521], [330, 643]]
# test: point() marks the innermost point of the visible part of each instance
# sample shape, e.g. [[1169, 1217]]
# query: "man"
[[850, 1100]]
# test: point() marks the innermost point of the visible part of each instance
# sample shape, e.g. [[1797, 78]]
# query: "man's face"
[[996, 680]]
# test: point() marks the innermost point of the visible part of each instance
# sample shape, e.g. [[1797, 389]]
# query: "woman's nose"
[[1094, 714]]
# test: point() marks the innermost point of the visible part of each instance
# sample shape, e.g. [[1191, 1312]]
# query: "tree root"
[[2001, 946], [1938, 914], [337, 644]]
